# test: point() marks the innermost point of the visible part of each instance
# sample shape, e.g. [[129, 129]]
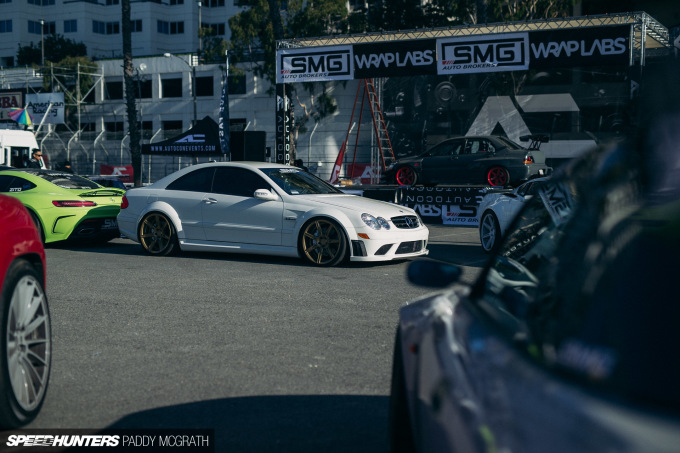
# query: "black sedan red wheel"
[[497, 176], [406, 176]]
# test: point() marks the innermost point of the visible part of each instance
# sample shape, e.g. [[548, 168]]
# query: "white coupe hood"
[[356, 203]]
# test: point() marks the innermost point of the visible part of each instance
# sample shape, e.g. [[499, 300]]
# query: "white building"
[[157, 27]]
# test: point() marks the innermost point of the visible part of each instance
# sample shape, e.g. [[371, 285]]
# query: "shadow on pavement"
[[301, 424]]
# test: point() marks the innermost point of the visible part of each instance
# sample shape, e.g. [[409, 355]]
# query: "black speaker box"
[[248, 145]]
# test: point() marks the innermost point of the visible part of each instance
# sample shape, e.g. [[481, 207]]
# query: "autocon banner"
[[457, 55]]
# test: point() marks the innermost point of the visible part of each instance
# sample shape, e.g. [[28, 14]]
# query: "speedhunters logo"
[[470, 54], [319, 64]]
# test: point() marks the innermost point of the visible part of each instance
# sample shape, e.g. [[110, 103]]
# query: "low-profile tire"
[[489, 231], [406, 176], [26, 354], [38, 226], [498, 176], [157, 235], [399, 429], [322, 242]]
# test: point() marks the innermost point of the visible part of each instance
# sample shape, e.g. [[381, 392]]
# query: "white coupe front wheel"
[[489, 231]]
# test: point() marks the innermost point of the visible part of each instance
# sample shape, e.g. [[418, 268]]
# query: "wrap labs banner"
[[587, 47], [457, 55], [395, 59]]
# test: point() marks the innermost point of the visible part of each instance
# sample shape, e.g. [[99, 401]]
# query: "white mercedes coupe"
[[270, 209]]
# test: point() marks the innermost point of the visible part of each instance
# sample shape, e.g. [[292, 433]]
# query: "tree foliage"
[[57, 48]]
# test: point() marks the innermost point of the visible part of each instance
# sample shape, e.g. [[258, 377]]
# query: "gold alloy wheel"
[[156, 235], [323, 243]]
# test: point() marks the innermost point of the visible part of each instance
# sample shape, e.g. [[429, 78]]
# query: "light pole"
[[200, 41], [193, 82], [42, 42]]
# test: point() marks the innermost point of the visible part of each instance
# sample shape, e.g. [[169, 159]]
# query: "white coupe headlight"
[[375, 222]]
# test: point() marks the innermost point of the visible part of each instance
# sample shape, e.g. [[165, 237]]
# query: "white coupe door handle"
[[209, 201]]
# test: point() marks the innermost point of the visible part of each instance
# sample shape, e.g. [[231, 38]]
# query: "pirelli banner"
[[520, 51]]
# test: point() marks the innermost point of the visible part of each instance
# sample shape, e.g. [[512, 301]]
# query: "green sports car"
[[65, 206]]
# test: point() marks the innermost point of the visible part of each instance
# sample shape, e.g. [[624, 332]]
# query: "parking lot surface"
[[273, 354]]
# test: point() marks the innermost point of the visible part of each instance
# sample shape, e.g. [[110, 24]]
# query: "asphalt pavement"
[[273, 354]]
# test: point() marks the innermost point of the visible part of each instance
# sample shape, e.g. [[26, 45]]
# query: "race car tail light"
[[73, 203], [529, 159], [124, 203]]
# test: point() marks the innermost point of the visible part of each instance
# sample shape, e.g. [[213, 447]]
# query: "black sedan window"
[[294, 181], [448, 148], [509, 143]]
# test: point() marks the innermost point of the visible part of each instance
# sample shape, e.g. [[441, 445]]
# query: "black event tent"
[[201, 140]]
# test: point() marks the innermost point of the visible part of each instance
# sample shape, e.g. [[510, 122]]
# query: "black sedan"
[[491, 160]]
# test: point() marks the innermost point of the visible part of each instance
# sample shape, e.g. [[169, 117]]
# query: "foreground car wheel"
[[26, 345], [489, 231], [323, 243], [406, 176], [157, 235], [498, 176], [400, 432]]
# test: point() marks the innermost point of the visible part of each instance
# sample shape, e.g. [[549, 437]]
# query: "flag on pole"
[[224, 115], [335, 174]]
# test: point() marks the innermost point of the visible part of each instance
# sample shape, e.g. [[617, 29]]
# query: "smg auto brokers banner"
[[593, 46]]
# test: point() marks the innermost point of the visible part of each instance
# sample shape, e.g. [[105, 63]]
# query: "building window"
[[5, 1], [112, 28], [170, 28], [143, 89], [6, 26], [40, 2], [176, 2], [114, 130], [111, 2], [237, 84], [218, 29], [105, 28], [213, 3], [146, 129], [49, 28], [171, 88], [204, 86], [136, 26], [113, 90], [176, 28], [70, 26]]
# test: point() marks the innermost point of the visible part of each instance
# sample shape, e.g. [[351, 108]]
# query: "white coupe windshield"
[[294, 181]]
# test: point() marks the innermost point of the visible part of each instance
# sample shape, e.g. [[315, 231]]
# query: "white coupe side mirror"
[[265, 194]]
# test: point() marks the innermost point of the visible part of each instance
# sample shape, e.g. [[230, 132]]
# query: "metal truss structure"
[[648, 34]]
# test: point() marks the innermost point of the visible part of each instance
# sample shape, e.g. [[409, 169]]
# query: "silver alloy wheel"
[[29, 343], [489, 231]]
